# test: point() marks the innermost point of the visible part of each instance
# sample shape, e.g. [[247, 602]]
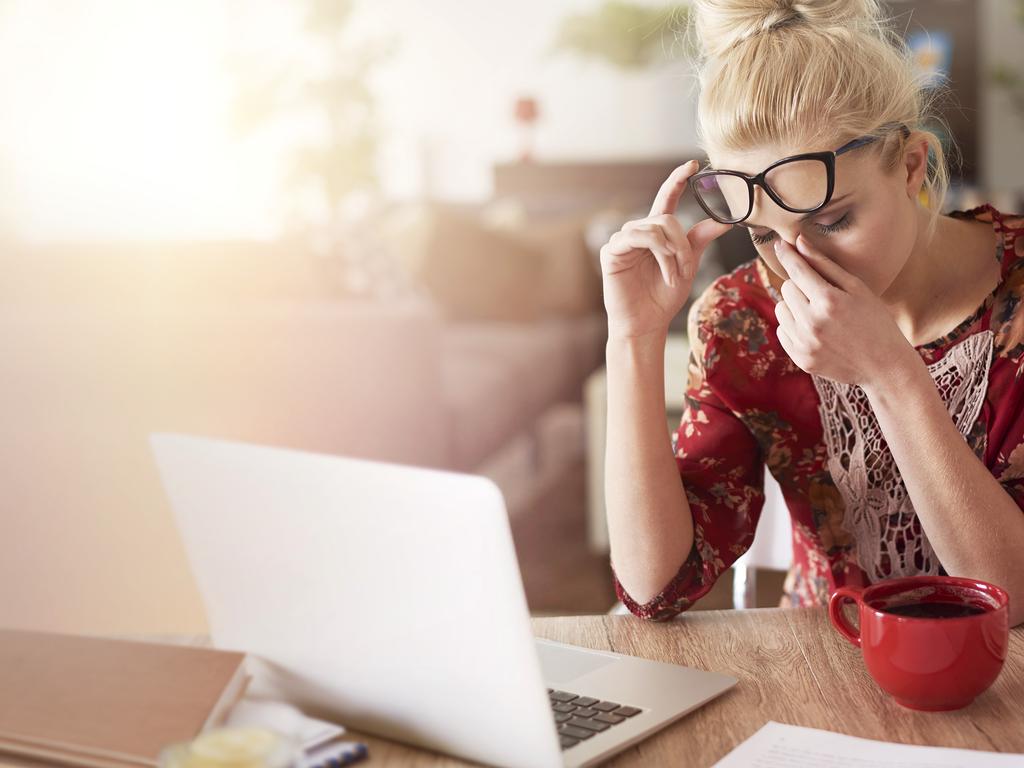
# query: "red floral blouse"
[[748, 406]]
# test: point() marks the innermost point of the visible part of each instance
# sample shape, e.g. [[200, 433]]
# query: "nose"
[[784, 224]]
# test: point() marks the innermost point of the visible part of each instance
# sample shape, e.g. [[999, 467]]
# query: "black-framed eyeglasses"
[[799, 183]]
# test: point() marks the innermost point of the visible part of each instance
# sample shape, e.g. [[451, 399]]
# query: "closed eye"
[[826, 229]]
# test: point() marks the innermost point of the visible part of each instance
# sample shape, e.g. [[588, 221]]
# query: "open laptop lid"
[[386, 596]]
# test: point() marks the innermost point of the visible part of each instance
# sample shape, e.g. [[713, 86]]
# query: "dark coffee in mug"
[[934, 610], [934, 643]]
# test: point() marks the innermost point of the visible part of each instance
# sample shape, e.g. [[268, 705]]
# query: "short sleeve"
[[1016, 490], [722, 469], [1005, 451], [1008, 464]]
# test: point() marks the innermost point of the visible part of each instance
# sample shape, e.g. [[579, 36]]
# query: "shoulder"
[[1008, 223], [1008, 228], [1008, 307], [1011, 228]]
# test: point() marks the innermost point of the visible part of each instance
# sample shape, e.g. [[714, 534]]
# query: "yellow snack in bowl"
[[233, 748]]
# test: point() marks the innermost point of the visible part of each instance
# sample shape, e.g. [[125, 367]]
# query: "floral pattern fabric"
[[747, 406]]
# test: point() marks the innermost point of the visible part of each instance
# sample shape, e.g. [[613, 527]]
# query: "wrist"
[[893, 382], [649, 339], [646, 347]]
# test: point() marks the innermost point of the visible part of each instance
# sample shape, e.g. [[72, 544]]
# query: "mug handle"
[[835, 612]]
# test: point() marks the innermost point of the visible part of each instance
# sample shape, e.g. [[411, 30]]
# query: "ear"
[[915, 164]]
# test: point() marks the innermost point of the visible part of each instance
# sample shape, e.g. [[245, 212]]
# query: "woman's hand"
[[649, 265], [831, 324]]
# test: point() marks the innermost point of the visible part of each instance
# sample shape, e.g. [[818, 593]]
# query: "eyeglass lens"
[[800, 184]]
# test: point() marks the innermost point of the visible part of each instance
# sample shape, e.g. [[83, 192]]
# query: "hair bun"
[[721, 24]]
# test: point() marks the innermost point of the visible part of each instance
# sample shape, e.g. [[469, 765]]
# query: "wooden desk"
[[792, 666]]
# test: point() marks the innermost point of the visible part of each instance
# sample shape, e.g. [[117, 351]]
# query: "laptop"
[[388, 598]]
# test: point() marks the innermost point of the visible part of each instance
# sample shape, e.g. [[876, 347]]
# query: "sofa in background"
[[103, 345]]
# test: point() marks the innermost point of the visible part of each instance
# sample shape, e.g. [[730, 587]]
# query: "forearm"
[[975, 527], [649, 523]]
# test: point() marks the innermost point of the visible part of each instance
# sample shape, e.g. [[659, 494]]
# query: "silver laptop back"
[[386, 597]]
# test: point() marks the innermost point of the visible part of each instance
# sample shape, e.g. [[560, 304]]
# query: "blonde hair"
[[811, 74]]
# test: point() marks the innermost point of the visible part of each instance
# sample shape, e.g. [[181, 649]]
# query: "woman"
[[870, 356]]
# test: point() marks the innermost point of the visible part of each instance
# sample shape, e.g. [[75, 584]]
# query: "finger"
[[635, 235], [668, 258], [787, 322], [689, 252], [807, 279], [786, 341], [651, 239], [686, 263], [672, 188], [825, 267], [796, 303], [702, 234]]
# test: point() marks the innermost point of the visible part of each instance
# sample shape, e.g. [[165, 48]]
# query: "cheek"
[[767, 253], [869, 256], [860, 251]]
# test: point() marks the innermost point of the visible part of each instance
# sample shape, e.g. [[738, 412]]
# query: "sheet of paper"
[[789, 746], [285, 719], [344, 752]]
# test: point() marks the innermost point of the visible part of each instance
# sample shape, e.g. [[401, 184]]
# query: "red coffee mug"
[[931, 664]]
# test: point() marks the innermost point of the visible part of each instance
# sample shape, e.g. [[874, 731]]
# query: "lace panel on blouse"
[[879, 514]]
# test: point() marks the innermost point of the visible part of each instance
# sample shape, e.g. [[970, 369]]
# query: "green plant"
[[1010, 80], [626, 34], [324, 83]]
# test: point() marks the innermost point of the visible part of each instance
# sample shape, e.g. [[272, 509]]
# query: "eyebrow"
[[833, 201]]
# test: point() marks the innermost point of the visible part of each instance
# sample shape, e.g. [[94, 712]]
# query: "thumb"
[[703, 232], [698, 238]]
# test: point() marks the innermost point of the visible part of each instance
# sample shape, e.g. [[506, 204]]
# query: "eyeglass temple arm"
[[868, 139]]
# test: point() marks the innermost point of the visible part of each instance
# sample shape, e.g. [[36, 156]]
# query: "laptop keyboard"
[[580, 717]]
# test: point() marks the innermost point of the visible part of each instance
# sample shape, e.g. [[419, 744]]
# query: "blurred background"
[[354, 227]]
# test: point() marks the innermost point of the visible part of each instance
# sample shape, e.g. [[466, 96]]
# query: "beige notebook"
[[99, 702], [13, 749], [17, 761]]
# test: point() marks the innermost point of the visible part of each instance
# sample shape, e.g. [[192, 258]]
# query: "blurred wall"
[[1003, 128], [133, 114], [448, 94], [479, 57]]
